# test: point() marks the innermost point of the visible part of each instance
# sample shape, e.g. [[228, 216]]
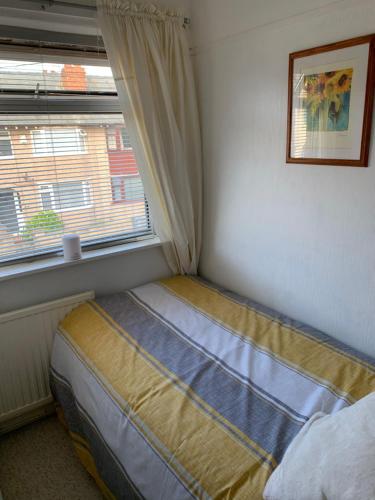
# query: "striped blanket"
[[180, 389]]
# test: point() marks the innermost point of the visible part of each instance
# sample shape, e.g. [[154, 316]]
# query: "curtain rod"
[[84, 6]]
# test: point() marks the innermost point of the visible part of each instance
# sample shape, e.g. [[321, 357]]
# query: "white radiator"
[[26, 338]]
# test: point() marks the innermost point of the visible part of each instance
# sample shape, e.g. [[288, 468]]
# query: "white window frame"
[[4, 138], [48, 145], [49, 188]]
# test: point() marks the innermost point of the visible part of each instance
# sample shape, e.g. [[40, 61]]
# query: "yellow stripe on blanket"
[[85, 456], [345, 375], [181, 431]]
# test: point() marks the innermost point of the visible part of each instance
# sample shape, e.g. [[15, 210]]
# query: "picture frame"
[[330, 103]]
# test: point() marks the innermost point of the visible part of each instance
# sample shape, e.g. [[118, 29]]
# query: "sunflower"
[[341, 81]]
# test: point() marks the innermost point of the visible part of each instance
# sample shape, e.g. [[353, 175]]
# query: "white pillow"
[[331, 458]]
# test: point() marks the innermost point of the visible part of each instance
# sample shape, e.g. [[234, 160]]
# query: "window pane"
[[117, 188], [133, 188], [46, 200], [125, 139], [69, 195], [111, 139], [5, 144], [8, 212], [44, 76], [67, 165], [59, 141]]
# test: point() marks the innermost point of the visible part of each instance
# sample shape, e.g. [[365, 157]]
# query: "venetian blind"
[[66, 161]]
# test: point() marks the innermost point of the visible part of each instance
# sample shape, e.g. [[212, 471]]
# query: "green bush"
[[47, 221]]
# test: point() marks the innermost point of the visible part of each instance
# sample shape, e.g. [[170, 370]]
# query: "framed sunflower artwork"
[[331, 92]]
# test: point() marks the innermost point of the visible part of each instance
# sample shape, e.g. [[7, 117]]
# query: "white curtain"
[[149, 55]]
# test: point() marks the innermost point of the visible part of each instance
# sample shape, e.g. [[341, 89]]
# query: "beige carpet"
[[38, 462]]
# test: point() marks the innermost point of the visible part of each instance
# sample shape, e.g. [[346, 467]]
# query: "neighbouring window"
[[125, 139], [118, 139], [127, 188], [59, 141], [5, 145], [61, 196], [112, 139], [10, 212], [65, 157]]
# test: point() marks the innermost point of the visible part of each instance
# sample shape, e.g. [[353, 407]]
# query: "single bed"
[[179, 389]]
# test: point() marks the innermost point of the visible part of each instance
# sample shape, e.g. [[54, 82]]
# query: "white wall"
[[109, 275], [298, 238]]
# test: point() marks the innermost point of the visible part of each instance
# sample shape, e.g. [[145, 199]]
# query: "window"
[[66, 196], [112, 139], [118, 139], [5, 145], [10, 213], [125, 139], [59, 141], [66, 162], [127, 188]]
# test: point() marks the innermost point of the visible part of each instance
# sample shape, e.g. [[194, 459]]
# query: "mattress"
[[179, 389]]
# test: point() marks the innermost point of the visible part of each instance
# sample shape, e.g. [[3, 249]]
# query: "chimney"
[[73, 77]]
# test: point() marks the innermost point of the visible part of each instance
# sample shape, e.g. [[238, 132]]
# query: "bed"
[[180, 389]]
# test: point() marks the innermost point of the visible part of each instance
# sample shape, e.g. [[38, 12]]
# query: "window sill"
[[48, 264]]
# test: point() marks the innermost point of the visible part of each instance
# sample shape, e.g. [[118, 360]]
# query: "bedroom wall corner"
[[297, 238]]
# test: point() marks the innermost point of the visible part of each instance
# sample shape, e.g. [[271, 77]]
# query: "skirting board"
[[19, 418]]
